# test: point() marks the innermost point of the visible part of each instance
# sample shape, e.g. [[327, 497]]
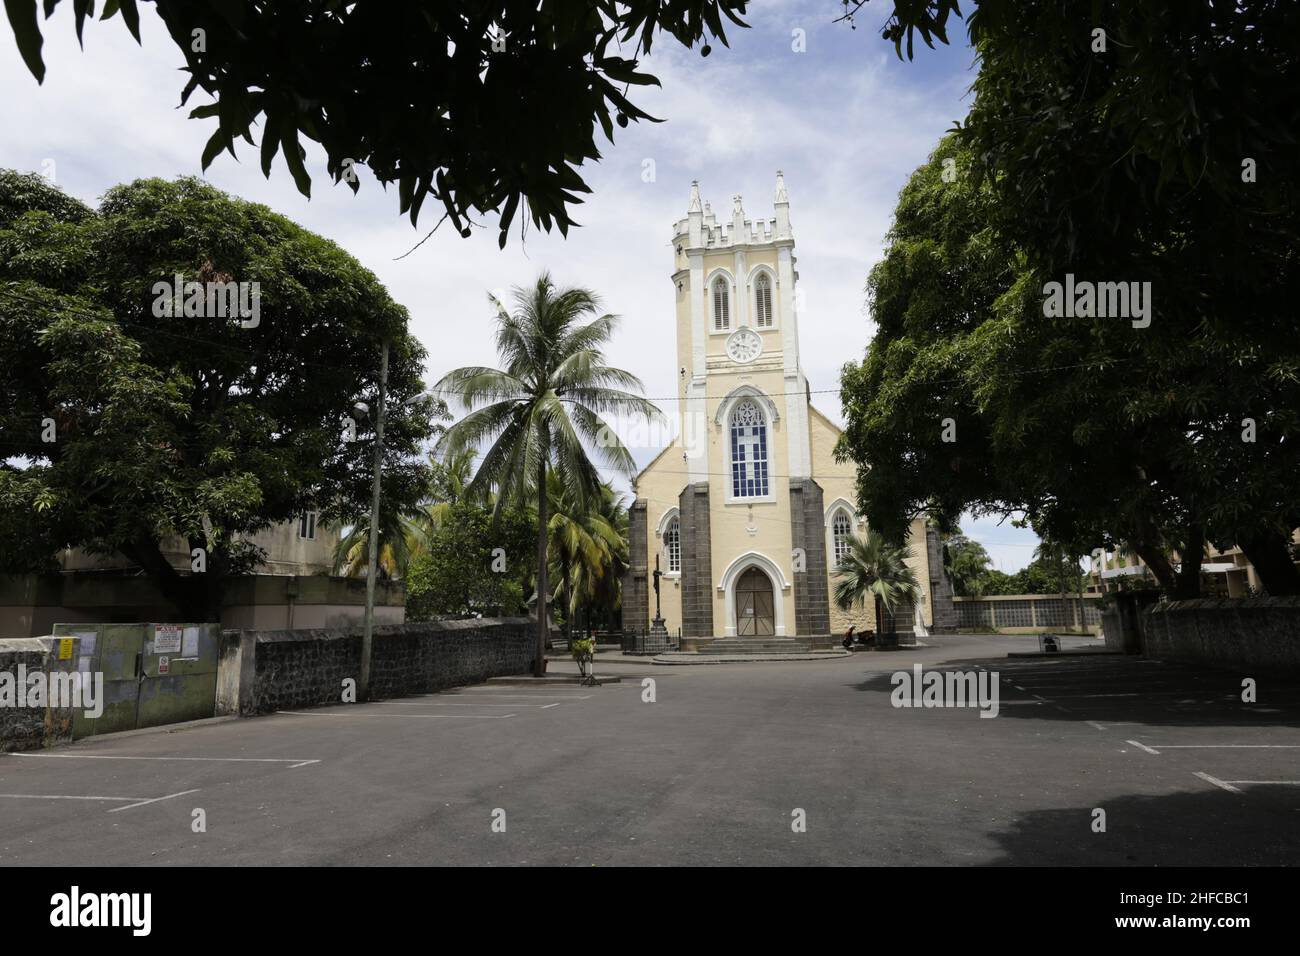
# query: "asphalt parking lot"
[[786, 763]]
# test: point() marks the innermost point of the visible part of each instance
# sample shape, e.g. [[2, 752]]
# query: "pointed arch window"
[[721, 304], [673, 546], [841, 533], [763, 301], [748, 451]]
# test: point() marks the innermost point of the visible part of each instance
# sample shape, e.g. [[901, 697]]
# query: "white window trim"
[[660, 530], [768, 411], [731, 301], [752, 290], [855, 524]]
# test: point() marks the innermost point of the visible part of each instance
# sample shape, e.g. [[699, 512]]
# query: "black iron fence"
[[645, 641]]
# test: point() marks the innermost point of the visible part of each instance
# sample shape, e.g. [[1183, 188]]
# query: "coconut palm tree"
[[396, 534], [448, 488], [588, 544], [876, 568], [602, 592], [544, 409]]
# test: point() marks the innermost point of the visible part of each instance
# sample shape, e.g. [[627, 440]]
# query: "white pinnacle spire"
[[781, 196], [695, 197]]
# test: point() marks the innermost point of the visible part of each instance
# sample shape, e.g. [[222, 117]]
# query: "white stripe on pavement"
[[302, 713], [296, 761], [154, 800], [1217, 782]]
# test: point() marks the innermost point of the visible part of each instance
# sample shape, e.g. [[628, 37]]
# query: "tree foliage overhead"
[[1165, 156], [123, 429], [478, 105]]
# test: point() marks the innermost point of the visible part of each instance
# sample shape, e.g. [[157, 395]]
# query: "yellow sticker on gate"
[[65, 649]]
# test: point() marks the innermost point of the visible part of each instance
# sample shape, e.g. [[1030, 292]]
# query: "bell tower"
[[738, 329]]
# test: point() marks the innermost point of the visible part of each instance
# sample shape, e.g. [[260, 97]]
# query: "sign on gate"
[[153, 673]]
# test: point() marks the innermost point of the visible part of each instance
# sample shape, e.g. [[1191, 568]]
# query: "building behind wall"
[[1115, 570], [292, 589], [747, 512]]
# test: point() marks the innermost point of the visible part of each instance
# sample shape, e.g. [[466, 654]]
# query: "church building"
[[747, 511]]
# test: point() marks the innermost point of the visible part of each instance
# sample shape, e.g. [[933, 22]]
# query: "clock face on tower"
[[744, 345]]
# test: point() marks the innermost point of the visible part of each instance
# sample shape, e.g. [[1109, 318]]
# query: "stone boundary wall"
[[265, 671], [1255, 632]]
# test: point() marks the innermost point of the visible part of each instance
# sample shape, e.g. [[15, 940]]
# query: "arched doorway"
[[755, 611]]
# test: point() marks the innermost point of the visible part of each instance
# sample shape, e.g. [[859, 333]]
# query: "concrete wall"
[[1259, 632], [264, 671]]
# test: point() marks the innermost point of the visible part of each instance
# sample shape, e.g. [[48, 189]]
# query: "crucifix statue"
[[657, 575], [657, 626]]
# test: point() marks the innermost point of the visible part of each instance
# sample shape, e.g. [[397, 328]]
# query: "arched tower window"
[[673, 546], [721, 304], [841, 533], [748, 451], [763, 301]]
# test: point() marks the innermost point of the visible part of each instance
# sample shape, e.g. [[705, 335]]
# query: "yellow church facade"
[[747, 512]]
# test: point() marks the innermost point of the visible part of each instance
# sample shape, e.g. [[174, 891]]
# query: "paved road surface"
[[712, 772]]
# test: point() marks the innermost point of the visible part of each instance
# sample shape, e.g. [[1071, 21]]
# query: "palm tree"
[[877, 568], [544, 409], [396, 535], [588, 544], [448, 488], [603, 592]]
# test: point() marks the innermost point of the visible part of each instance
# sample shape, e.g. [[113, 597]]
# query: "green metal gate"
[[153, 673]]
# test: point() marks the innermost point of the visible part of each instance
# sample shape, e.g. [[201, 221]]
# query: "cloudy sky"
[[845, 120]]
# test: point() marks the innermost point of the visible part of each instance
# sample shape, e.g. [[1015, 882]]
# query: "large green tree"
[[967, 565], [544, 411], [473, 564], [125, 425], [479, 105], [1158, 150]]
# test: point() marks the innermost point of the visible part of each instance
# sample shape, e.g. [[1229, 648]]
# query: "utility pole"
[[367, 634]]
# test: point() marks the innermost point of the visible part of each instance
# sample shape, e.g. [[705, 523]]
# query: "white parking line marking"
[[1268, 783], [60, 796], [527, 696], [1217, 782], [436, 703], [1143, 746], [301, 713], [1229, 746], [296, 761], [549, 706], [154, 800]]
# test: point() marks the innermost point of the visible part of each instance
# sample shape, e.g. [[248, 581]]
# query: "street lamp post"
[[367, 633]]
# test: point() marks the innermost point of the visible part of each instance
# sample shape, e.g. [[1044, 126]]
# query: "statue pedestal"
[[658, 636]]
